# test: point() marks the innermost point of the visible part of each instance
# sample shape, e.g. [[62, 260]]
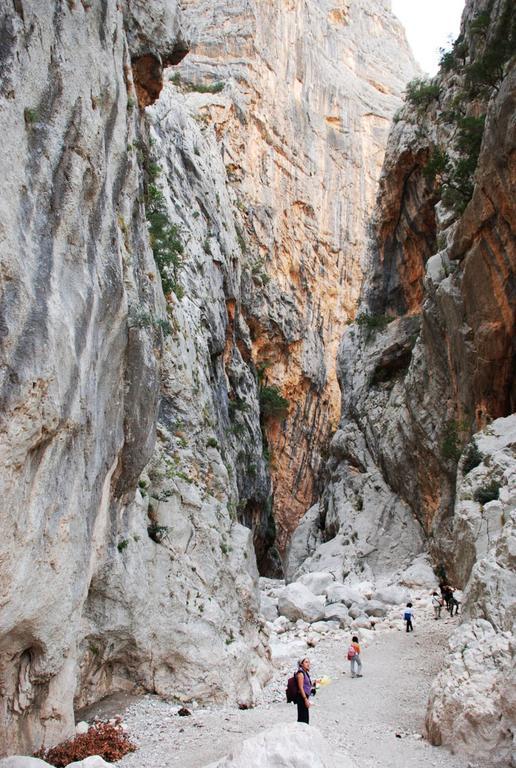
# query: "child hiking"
[[354, 657], [408, 615]]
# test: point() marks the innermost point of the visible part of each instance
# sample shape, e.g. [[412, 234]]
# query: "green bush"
[[436, 165], [157, 532], [30, 115], [165, 241], [210, 88], [451, 448], [372, 324], [122, 545], [272, 403], [212, 442], [420, 93], [472, 458], [458, 182], [488, 493]]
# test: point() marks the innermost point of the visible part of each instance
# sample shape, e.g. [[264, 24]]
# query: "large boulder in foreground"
[[293, 745], [297, 602]]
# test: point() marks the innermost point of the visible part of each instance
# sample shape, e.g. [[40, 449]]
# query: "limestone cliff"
[[178, 255], [430, 358], [302, 98], [93, 582]]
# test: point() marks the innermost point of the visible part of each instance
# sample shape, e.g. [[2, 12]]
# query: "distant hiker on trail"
[[305, 688], [354, 657], [408, 615], [437, 605]]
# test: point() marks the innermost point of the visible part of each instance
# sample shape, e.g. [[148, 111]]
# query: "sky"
[[429, 25]]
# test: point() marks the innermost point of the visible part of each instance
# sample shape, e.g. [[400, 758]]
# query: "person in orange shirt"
[[354, 657]]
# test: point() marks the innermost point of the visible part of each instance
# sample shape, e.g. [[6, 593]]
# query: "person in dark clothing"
[[447, 593], [305, 686], [453, 603]]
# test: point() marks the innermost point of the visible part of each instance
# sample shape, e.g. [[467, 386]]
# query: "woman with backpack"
[[305, 688]]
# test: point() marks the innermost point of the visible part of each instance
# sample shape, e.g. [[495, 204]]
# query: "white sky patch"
[[430, 25]]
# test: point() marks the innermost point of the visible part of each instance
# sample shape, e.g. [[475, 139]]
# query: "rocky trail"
[[373, 721]]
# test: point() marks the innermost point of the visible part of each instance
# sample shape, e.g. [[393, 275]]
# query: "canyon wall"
[[178, 256], [428, 363], [308, 90]]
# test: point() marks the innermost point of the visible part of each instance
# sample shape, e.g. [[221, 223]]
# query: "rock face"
[[308, 90], [472, 701], [428, 363], [103, 591], [133, 421]]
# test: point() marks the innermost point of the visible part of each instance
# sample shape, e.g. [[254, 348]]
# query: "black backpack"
[[292, 689]]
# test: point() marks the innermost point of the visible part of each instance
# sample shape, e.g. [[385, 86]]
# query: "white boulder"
[[281, 624], [268, 607], [318, 582], [392, 595], [287, 746], [81, 728], [375, 608], [361, 622], [292, 651], [341, 593], [357, 609], [419, 574], [297, 602], [337, 612]]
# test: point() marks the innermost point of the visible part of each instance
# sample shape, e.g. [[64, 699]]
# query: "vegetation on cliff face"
[[472, 70]]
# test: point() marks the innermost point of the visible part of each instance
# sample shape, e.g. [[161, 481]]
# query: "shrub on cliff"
[[421, 93], [472, 458], [272, 403], [487, 493]]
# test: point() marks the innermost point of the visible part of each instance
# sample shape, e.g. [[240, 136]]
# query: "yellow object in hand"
[[322, 681]]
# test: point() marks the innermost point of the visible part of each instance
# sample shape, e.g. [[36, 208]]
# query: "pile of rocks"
[[300, 613]]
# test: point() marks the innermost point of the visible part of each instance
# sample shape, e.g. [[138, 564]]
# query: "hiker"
[[408, 615], [437, 605], [354, 657], [453, 602], [305, 689], [446, 592]]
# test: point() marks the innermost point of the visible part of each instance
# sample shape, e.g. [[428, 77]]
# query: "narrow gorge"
[[257, 320]]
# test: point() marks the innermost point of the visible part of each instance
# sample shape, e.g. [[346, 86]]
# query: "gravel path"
[[376, 720]]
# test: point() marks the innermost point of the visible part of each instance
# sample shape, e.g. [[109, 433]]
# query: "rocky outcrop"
[[472, 703]]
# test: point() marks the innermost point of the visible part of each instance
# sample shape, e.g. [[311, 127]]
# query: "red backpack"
[[352, 652]]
